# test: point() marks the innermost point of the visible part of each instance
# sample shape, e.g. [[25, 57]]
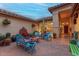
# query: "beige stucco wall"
[[15, 26], [56, 23], [47, 24]]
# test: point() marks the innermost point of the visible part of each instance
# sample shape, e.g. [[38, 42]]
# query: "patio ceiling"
[[65, 14]]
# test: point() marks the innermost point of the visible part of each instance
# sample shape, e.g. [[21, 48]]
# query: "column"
[[56, 23]]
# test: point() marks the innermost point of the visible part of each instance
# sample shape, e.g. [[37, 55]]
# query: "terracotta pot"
[[54, 35], [7, 42], [1, 43]]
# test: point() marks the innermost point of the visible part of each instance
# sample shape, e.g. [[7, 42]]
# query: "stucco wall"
[[47, 24], [55, 16], [77, 25], [15, 26]]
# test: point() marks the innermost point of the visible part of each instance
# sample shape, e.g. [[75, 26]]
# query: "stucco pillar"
[[77, 24], [56, 23]]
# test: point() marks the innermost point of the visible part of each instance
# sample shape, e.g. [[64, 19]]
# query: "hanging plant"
[[6, 22]]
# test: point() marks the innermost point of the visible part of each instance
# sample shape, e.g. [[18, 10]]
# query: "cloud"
[[41, 4]]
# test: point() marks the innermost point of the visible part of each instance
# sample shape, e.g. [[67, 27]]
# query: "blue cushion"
[[78, 43]]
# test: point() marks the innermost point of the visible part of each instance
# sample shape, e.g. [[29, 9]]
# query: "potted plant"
[[2, 37], [6, 22], [13, 38], [7, 41], [8, 34], [54, 35]]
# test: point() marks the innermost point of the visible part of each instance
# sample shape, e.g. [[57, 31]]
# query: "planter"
[[7, 42], [1, 43], [54, 35], [13, 38]]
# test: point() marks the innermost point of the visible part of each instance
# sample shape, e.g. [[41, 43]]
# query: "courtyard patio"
[[56, 47]]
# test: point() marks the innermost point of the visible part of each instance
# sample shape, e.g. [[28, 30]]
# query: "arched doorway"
[[65, 23]]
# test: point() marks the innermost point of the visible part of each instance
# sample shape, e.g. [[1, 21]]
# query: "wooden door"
[[65, 29]]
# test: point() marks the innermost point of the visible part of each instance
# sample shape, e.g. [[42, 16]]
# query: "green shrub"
[[8, 35], [73, 42], [13, 38], [78, 43], [76, 35], [2, 37]]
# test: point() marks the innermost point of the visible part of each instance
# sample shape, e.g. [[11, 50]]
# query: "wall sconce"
[[62, 23], [51, 23], [76, 15]]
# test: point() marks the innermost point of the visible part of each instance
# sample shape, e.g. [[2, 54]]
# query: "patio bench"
[[74, 49]]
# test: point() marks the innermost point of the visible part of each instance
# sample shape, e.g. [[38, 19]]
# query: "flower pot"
[[54, 35], [7, 42], [13, 38]]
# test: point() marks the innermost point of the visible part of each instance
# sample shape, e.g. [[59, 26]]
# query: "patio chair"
[[37, 35], [47, 36], [26, 44]]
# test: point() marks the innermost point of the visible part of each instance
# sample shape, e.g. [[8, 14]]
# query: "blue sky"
[[31, 10]]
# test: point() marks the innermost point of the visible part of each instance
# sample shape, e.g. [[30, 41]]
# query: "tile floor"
[[56, 47]]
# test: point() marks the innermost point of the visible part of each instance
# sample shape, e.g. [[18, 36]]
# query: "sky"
[[31, 10]]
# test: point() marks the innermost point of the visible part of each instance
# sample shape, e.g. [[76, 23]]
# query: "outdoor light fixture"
[[67, 23], [51, 23], [62, 23]]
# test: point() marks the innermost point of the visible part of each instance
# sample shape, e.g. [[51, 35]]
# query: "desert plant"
[[2, 37], [8, 35], [73, 42]]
